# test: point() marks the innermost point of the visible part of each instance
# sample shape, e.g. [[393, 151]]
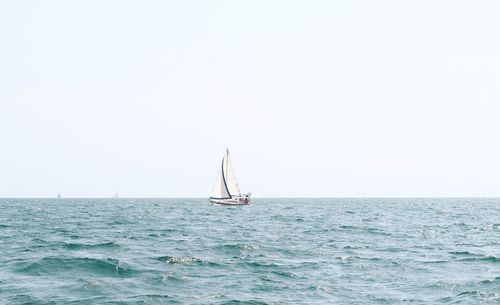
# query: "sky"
[[312, 98]]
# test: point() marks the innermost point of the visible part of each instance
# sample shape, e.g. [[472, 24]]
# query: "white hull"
[[232, 201]]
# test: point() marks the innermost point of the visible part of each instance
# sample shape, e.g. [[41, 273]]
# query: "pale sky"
[[313, 98]]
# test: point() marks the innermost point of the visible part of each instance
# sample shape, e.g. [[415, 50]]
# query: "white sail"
[[232, 184], [220, 190], [226, 190]]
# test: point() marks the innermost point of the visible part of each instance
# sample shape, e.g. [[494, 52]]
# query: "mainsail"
[[232, 184], [226, 186]]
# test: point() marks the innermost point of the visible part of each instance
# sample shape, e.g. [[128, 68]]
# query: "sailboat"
[[116, 195], [58, 195], [226, 190]]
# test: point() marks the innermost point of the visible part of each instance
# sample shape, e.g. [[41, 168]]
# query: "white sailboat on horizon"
[[226, 190]]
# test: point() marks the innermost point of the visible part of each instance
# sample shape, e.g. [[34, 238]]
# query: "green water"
[[276, 251]]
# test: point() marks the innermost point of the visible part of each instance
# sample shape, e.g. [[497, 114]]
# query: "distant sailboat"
[[58, 195], [226, 190], [116, 195]]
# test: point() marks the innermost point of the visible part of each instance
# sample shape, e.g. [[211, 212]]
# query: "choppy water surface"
[[276, 251]]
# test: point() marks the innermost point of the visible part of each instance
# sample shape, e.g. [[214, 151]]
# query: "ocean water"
[[276, 251]]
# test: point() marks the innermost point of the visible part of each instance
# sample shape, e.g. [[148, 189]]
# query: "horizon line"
[[277, 197]]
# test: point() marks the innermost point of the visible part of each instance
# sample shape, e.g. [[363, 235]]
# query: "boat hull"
[[232, 201]]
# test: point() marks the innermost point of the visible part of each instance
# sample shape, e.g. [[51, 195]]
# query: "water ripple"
[[277, 251]]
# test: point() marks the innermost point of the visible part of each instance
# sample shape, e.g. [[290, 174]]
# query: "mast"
[[224, 175]]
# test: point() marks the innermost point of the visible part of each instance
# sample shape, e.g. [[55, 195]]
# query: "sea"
[[275, 251]]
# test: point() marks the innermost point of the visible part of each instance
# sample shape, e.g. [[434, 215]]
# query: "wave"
[[40, 241], [347, 227], [82, 246], [171, 277], [481, 295], [349, 247], [285, 274], [231, 248], [377, 231], [374, 231], [475, 256], [260, 265], [278, 217], [472, 292], [27, 299], [94, 266], [153, 296], [182, 260], [461, 253], [487, 258], [490, 281], [185, 260], [250, 302]]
